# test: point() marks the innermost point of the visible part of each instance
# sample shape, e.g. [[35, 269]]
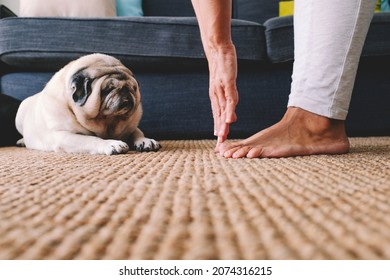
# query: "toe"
[[242, 152], [229, 153], [226, 146], [255, 152]]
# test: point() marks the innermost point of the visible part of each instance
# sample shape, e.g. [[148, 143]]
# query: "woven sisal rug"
[[185, 202]]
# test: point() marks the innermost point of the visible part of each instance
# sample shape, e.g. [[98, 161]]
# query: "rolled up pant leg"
[[329, 37]]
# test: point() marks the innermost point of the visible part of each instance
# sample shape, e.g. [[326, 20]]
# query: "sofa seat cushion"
[[45, 44], [279, 35]]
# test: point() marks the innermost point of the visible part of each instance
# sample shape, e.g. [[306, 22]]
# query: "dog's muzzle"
[[117, 101]]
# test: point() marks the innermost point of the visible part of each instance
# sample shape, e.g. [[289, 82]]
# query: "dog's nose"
[[126, 103], [126, 97]]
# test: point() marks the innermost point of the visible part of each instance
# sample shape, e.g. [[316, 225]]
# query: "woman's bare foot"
[[299, 133]]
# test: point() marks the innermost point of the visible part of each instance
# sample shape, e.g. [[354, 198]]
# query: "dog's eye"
[[77, 82]]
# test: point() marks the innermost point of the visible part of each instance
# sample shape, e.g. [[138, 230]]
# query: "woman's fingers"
[[223, 104], [231, 103], [215, 110], [223, 91]]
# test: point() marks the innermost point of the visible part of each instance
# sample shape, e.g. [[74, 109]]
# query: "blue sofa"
[[164, 50]]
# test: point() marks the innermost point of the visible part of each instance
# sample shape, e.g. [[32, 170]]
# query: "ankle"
[[316, 124]]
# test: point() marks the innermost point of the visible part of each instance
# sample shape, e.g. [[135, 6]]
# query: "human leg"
[[329, 37]]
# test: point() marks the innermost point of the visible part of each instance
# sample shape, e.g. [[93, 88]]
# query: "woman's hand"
[[223, 90]]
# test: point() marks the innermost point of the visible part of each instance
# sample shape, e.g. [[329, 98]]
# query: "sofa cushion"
[[129, 8], [378, 39], [279, 35], [385, 5], [69, 8], [257, 11], [141, 42], [168, 8]]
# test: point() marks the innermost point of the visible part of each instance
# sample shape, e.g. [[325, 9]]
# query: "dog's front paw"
[[114, 147], [146, 145], [20, 143]]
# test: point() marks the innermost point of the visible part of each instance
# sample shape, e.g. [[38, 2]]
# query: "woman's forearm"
[[214, 17]]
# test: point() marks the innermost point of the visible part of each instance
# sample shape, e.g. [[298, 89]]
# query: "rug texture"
[[185, 202]]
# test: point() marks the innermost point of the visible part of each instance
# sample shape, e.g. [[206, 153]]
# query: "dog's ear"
[[82, 88]]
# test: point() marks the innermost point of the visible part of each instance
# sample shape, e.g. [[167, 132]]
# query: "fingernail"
[[215, 133]]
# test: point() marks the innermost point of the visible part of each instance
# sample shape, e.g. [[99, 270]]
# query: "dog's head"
[[100, 89], [102, 85]]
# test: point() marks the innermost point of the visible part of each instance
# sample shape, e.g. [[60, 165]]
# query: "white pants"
[[329, 37]]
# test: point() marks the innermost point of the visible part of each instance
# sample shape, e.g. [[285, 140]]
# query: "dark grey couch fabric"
[[168, 8], [45, 44], [252, 10], [255, 10]]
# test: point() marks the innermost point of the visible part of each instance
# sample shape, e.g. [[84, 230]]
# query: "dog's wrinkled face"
[[103, 87], [101, 90]]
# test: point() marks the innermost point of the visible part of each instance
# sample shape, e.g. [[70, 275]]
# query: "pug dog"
[[92, 105]]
